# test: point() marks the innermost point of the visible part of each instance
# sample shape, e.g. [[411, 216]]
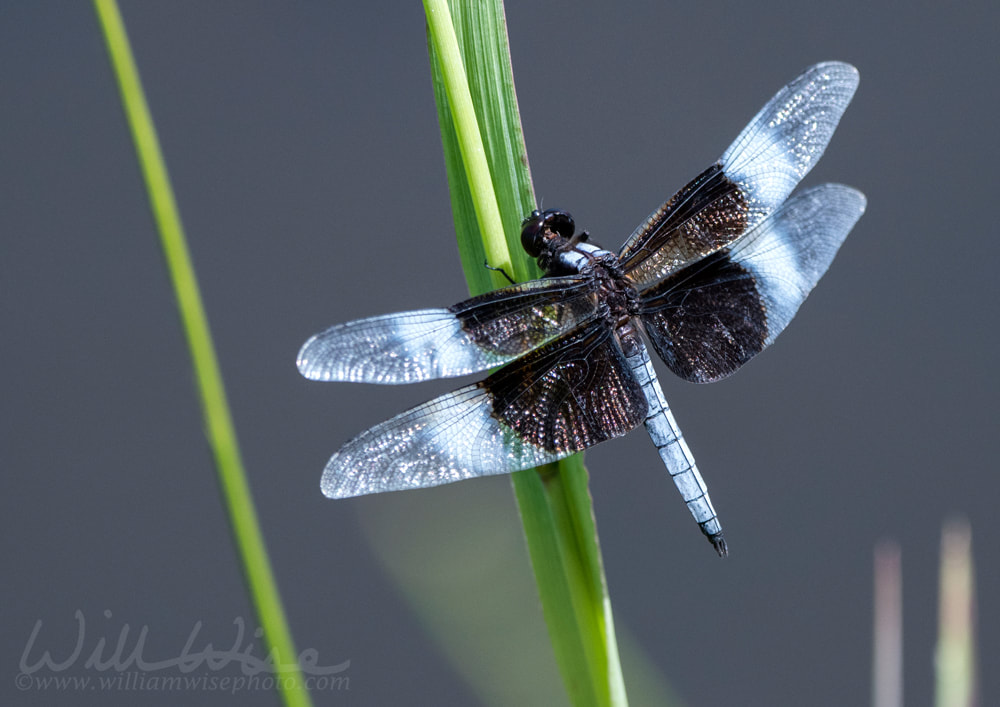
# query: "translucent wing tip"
[[841, 75], [837, 66], [846, 198], [787, 137], [338, 483], [840, 72], [305, 361], [862, 201], [330, 487]]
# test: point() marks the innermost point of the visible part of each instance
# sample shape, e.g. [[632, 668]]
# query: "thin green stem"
[[219, 424]]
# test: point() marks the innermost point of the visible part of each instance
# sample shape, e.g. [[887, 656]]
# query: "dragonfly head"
[[543, 229]]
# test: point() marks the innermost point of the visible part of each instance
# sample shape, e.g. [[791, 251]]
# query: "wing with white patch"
[[572, 393], [708, 319], [479, 333], [751, 179], [789, 135]]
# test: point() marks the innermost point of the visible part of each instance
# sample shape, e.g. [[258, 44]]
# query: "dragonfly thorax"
[[549, 236]]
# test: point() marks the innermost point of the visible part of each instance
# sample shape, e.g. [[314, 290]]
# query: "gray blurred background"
[[303, 147]]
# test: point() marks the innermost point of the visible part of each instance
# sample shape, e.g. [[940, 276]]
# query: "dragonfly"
[[709, 279]]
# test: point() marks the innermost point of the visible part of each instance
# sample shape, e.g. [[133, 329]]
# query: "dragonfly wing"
[[570, 394], [474, 335], [711, 317]]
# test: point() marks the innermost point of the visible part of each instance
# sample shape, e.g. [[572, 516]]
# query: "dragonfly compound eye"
[[532, 234]]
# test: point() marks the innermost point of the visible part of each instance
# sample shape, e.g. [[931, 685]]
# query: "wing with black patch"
[[479, 333], [564, 397], [708, 319], [751, 179]]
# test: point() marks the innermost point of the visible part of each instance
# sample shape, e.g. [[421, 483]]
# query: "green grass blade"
[[955, 658], [491, 191], [218, 421]]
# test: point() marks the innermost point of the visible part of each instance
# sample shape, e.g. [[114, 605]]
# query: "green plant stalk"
[[220, 430], [491, 191], [955, 656]]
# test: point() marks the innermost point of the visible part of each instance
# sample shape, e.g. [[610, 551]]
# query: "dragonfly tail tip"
[[719, 543]]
